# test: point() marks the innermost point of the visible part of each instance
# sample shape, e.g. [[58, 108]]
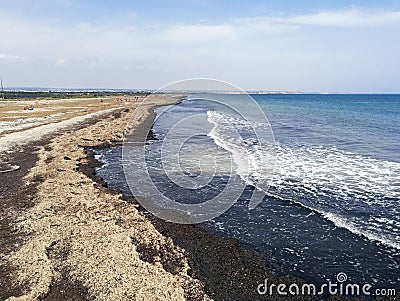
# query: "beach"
[[199, 150], [313, 223], [65, 236]]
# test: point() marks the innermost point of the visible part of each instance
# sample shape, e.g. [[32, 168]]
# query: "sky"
[[277, 45]]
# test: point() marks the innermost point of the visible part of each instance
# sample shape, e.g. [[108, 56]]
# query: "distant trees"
[[2, 88], [66, 94]]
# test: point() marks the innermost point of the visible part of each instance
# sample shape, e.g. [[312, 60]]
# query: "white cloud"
[[61, 62], [11, 57], [200, 33], [350, 17], [344, 18]]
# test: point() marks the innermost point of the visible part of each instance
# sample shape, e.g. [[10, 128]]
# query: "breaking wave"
[[355, 192]]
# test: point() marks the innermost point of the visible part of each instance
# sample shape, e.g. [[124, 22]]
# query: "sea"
[[316, 178]]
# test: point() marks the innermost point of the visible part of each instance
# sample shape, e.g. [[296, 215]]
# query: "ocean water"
[[328, 171]]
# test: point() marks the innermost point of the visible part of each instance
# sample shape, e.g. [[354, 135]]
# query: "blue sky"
[[324, 46]]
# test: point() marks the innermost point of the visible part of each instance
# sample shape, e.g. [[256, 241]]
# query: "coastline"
[[75, 233], [67, 236]]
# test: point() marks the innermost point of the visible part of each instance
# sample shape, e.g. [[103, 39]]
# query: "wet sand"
[[66, 236]]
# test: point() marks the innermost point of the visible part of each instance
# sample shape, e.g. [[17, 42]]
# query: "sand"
[[77, 229], [12, 113], [37, 131]]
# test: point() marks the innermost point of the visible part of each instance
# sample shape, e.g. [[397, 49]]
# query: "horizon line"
[[258, 91]]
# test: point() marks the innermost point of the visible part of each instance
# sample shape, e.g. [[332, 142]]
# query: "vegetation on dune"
[[27, 95]]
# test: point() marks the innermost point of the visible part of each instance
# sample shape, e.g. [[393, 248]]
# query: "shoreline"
[[65, 235], [227, 271]]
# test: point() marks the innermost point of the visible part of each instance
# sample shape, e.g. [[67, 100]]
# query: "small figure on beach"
[[30, 108]]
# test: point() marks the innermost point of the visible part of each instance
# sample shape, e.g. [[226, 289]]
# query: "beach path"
[[19, 125]]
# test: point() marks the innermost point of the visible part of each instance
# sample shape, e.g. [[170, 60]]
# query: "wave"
[[354, 192], [251, 148], [349, 223]]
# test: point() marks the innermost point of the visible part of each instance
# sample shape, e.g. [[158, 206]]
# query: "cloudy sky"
[[313, 45]]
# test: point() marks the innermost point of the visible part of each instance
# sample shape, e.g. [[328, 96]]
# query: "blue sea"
[[326, 177]]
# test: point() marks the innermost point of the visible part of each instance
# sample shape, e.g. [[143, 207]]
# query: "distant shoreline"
[[12, 93]]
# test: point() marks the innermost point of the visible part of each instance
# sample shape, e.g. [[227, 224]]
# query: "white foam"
[[352, 226], [324, 179], [254, 159]]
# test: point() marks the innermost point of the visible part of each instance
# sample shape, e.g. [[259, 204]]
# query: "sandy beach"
[[65, 236]]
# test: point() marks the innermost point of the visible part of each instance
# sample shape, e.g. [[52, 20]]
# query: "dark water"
[[333, 201]]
